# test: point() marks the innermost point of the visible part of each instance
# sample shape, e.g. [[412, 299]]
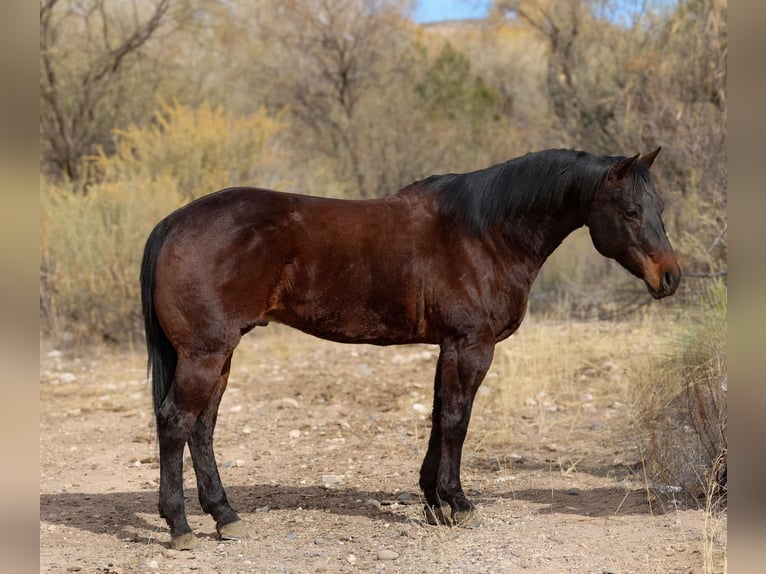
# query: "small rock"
[[55, 354], [288, 402], [295, 433], [291, 536], [574, 492], [333, 479], [530, 402], [319, 541], [351, 559], [152, 564], [387, 555], [586, 397], [365, 370], [372, 502], [420, 408]]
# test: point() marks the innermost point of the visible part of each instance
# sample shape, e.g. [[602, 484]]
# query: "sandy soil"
[[319, 445]]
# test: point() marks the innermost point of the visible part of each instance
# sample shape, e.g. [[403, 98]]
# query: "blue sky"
[[437, 10]]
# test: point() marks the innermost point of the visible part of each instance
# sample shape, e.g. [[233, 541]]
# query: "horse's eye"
[[631, 213]]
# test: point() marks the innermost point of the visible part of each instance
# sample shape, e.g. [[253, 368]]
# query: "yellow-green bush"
[[91, 243]]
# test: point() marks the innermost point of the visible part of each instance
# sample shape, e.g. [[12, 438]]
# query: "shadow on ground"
[[121, 513]]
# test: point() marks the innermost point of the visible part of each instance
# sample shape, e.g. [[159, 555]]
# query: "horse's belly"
[[344, 318]]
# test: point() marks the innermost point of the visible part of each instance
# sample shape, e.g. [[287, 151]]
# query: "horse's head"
[[625, 224]]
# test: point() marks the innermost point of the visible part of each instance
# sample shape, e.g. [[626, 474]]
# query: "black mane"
[[540, 180]]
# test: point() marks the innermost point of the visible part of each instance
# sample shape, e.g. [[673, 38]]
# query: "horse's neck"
[[539, 234]]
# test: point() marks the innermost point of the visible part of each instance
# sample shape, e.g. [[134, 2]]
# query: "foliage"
[[349, 98], [681, 404], [91, 243], [449, 90], [84, 50], [200, 149]]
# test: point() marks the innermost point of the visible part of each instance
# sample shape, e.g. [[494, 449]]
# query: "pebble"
[[351, 559], [365, 370], [387, 555], [420, 408], [333, 479], [295, 433]]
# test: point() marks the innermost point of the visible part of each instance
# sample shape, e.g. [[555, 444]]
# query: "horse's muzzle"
[[669, 279]]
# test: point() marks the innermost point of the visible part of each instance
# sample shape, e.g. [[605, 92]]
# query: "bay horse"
[[448, 260]]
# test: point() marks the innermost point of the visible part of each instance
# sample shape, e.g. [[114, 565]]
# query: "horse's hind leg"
[[198, 381], [212, 496]]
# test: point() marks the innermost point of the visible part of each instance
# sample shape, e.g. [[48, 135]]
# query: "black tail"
[[162, 355]]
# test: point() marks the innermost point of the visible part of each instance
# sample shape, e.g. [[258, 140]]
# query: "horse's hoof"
[[185, 541], [232, 531], [467, 518], [437, 515]]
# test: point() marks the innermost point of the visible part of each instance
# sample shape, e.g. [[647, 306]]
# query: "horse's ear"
[[648, 159], [622, 167]]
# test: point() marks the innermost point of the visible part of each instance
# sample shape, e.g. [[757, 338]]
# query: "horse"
[[448, 260]]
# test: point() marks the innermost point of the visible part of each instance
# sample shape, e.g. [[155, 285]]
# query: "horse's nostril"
[[667, 280]]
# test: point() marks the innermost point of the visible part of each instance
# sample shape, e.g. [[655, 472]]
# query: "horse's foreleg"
[[464, 363], [212, 496], [193, 389], [436, 511]]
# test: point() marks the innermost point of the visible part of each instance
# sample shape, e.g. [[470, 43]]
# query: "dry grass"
[[91, 243], [680, 404], [554, 373]]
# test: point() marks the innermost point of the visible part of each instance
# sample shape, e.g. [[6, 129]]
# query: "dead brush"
[[681, 411]]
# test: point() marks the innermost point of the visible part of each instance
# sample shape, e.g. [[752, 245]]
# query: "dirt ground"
[[319, 446]]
